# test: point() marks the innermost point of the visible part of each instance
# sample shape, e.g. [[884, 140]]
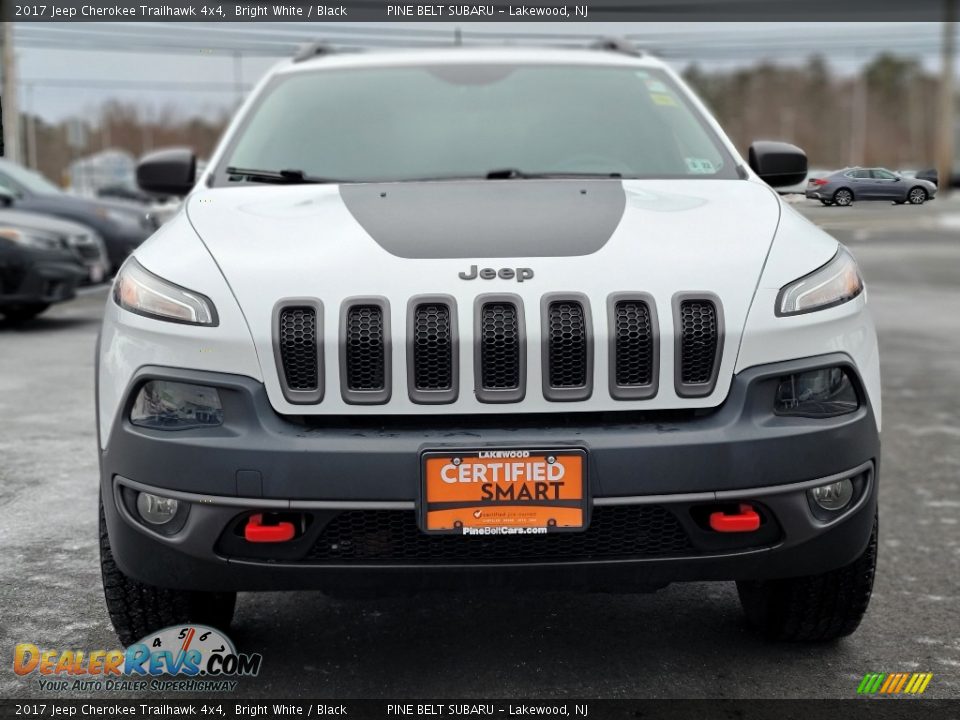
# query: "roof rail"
[[618, 45], [312, 50]]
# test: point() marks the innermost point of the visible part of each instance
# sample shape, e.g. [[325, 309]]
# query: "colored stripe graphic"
[[870, 683], [894, 683]]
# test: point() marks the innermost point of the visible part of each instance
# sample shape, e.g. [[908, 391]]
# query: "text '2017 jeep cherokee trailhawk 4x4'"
[[474, 316]]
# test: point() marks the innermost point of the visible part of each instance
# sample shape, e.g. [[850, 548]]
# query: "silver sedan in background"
[[845, 186]]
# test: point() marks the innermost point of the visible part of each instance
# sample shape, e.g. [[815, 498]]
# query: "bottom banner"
[[853, 709]]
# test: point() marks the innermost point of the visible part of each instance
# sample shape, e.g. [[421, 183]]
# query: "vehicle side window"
[[883, 175], [858, 174], [13, 188]]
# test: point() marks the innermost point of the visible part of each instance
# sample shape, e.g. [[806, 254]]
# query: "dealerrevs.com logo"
[[185, 658]]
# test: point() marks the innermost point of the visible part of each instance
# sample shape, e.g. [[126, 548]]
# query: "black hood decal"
[[488, 218]]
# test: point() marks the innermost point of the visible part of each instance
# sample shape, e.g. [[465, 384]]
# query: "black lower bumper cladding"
[[353, 491]]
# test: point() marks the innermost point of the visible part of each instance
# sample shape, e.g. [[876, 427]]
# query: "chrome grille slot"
[[432, 350], [699, 338], [634, 348], [567, 347], [500, 355], [298, 348], [365, 351]]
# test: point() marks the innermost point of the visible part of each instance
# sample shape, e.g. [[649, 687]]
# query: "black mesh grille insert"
[[365, 348], [298, 347], [698, 341], [499, 346], [633, 337], [567, 342], [374, 536], [432, 347]]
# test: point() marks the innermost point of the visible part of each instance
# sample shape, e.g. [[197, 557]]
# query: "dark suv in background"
[[123, 226]]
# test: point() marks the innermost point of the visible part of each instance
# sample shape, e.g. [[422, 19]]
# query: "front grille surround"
[[375, 307], [512, 362], [433, 356], [444, 352], [696, 360], [638, 311], [573, 381], [295, 361]]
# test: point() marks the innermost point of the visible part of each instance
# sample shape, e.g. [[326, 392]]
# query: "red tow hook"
[[256, 532], [747, 520]]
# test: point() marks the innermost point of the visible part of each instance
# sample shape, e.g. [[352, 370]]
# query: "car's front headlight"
[[836, 282], [31, 238], [140, 291]]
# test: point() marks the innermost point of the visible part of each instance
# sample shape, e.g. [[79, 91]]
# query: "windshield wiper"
[[516, 174], [281, 177]]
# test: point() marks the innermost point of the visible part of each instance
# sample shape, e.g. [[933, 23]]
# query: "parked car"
[[845, 186], [123, 226], [36, 270], [929, 174], [86, 244], [430, 319]]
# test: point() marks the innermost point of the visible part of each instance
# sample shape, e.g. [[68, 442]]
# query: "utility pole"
[[31, 130], [238, 77], [858, 121], [945, 134], [8, 89]]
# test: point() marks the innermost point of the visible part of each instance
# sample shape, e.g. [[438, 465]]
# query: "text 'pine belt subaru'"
[[470, 317]]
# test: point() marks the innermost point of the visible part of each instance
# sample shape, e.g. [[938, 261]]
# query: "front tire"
[[137, 609], [827, 203], [814, 608], [843, 197], [917, 196]]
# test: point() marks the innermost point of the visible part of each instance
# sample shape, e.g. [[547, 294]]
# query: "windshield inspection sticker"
[[663, 99], [700, 166]]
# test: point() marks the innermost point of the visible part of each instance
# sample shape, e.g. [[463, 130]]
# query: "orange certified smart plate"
[[504, 492]]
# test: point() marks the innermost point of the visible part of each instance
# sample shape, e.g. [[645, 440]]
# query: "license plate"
[[504, 492]]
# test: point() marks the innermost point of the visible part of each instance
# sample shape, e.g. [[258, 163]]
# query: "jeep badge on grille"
[[520, 273]]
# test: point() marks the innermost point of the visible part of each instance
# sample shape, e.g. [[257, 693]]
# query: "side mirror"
[[172, 171], [6, 197], [778, 163]]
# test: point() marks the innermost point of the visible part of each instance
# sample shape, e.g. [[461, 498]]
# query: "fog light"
[[818, 393], [165, 405], [833, 496], [156, 510]]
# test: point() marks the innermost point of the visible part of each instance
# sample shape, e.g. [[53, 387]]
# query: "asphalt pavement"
[[687, 641]]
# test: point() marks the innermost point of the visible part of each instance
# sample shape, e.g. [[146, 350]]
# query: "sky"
[[68, 70]]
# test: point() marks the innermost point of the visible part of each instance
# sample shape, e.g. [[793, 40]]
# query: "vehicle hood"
[[86, 210], [400, 240], [36, 221]]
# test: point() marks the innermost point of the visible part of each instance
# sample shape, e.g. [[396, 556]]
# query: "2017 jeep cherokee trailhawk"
[[486, 316]]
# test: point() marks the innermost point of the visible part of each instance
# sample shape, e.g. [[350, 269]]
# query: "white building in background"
[[103, 169]]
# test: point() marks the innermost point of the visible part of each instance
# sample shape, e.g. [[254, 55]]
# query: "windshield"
[[16, 179], [466, 121]]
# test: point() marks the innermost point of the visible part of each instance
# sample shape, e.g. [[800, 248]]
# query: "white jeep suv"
[[459, 317]]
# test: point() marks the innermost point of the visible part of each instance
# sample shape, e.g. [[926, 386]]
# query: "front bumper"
[[656, 472], [39, 277]]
